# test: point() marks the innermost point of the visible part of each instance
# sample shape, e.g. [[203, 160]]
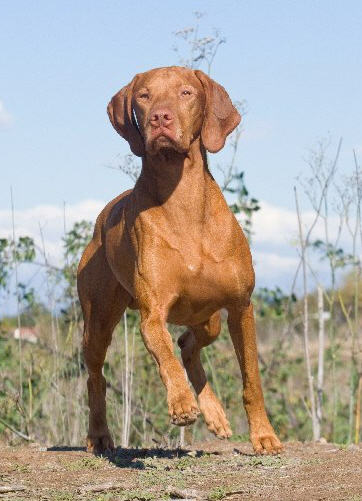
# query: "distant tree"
[[74, 243]]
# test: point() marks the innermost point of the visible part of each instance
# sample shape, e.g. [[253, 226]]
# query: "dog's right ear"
[[121, 116]]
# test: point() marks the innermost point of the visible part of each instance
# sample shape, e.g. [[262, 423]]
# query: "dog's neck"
[[170, 178]]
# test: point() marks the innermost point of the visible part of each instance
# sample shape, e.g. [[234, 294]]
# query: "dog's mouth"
[[163, 141], [162, 138], [162, 134]]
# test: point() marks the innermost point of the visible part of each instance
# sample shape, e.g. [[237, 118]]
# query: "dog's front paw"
[[183, 409], [100, 444], [264, 439]]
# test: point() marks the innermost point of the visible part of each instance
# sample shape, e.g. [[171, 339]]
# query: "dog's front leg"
[[182, 406], [242, 329]]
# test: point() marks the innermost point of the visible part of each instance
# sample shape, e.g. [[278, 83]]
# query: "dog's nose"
[[161, 117]]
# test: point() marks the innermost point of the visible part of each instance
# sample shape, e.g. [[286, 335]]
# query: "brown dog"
[[172, 249]]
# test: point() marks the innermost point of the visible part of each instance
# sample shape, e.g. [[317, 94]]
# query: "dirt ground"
[[207, 471]]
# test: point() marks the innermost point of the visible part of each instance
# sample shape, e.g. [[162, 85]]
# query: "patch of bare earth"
[[207, 471]]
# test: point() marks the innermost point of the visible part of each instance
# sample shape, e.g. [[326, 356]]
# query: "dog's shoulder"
[[105, 214]]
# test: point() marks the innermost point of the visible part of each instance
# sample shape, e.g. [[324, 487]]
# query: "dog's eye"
[[186, 93], [144, 96]]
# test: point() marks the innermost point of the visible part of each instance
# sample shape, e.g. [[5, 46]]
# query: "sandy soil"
[[207, 471]]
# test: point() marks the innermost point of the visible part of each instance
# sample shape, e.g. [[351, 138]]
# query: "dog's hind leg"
[[103, 302], [191, 344]]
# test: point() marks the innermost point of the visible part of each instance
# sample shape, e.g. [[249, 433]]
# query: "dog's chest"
[[203, 287], [194, 250], [201, 263]]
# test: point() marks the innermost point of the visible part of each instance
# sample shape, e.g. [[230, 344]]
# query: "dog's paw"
[[214, 414], [100, 444], [264, 440], [183, 409]]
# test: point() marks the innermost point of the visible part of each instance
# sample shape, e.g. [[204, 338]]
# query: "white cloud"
[[274, 225], [275, 246], [272, 269], [50, 218], [5, 116], [279, 226]]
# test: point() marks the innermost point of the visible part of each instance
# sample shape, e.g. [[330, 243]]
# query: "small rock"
[[353, 447], [11, 488], [183, 493], [100, 487]]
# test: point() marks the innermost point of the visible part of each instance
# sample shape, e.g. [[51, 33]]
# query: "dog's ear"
[[121, 116], [221, 116]]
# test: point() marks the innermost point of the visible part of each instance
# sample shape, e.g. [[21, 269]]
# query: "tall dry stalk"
[[21, 362], [51, 306], [358, 412], [127, 383], [57, 398], [323, 176], [303, 246], [202, 49], [317, 189], [320, 375]]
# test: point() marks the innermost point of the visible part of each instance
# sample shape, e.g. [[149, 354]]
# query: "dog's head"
[[169, 108]]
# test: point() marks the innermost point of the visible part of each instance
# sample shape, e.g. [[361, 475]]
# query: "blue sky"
[[298, 65]]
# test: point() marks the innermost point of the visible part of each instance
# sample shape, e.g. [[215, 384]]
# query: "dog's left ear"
[[221, 116], [121, 116]]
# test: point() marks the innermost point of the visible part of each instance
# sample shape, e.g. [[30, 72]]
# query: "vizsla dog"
[[172, 249]]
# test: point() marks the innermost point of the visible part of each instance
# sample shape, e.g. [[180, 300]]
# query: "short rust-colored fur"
[[172, 248]]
